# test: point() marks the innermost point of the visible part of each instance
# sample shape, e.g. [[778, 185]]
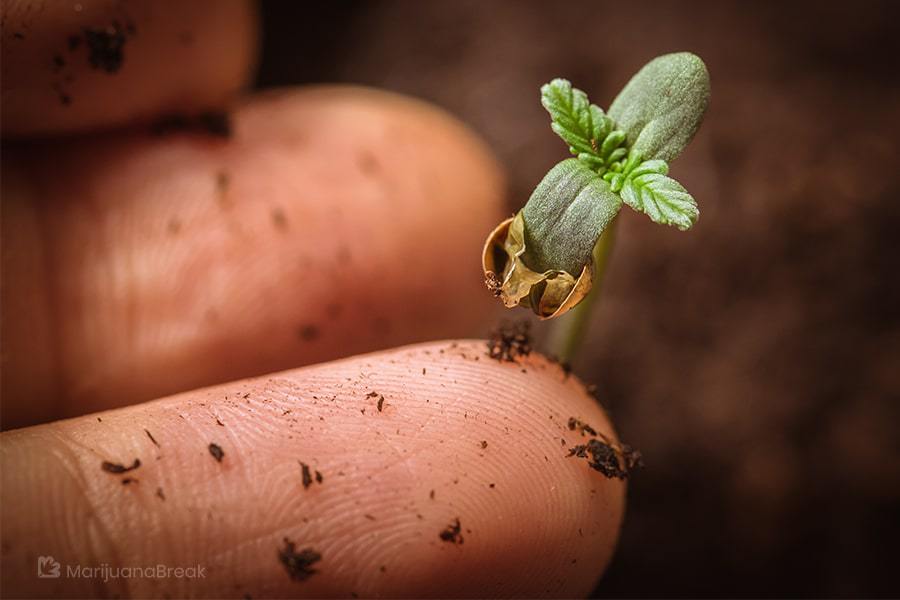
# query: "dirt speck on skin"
[[613, 461], [106, 45], [152, 439], [160, 494], [484, 444], [222, 181], [306, 474], [279, 219], [308, 333], [368, 164], [452, 533], [216, 451], [380, 404], [298, 564], [510, 341], [579, 425], [117, 468]]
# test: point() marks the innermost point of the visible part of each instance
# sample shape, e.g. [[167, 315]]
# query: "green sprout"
[[551, 256]]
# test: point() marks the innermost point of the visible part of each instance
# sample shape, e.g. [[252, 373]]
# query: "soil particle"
[[484, 444], [612, 461], [509, 341], [298, 564], [431, 494], [160, 494], [217, 452], [152, 439], [129, 480], [117, 468], [279, 220], [219, 422], [105, 46], [380, 404], [308, 475], [308, 333], [451, 533], [493, 283], [584, 428]]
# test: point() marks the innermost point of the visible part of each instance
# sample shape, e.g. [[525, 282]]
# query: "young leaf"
[[661, 107], [662, 198], [579, 123], [565, 215]]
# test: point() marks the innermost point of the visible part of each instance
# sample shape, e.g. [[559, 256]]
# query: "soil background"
[[754, 360]]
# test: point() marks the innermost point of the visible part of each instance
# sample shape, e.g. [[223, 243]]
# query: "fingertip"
[[442, 473], [73, 66]]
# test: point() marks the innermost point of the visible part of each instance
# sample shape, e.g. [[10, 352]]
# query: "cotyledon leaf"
[[661, 107], [565, 216]]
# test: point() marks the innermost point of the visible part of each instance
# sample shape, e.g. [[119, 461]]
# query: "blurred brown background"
[[756, 359]]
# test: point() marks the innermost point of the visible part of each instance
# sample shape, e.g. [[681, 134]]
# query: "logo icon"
[[48, 567]]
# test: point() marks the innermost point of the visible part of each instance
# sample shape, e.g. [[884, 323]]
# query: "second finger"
[[335, 221]]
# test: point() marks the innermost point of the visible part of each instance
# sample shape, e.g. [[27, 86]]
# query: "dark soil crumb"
[[369, 517], [298, 564], [581, 426], [308, 333], [117, 468], [106, 46], [217, 452], [129, 480], [307, 474], [279, 220], [452, 533], [510, 341], [215, 124], [380, 404], [612, 461], [219, 422], [493, 283], [431, 494], [492, 485], [160, 494], [152, 439], [484, 444]]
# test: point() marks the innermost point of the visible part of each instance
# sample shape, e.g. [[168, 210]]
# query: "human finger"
[[430, 470]]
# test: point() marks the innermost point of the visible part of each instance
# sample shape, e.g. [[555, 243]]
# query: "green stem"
[[570, 329]]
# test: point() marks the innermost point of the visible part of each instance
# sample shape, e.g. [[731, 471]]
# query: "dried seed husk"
[[548, 294]]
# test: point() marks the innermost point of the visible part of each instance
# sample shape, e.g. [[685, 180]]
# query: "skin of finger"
[[175, 56], [335, 221], [458, 436]]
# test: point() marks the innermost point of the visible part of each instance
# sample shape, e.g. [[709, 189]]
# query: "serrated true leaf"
[[579, 123], [565, 216], [661, 198], [661, 107]]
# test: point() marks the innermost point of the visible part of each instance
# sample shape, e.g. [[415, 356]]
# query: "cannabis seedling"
[[553, 251]]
